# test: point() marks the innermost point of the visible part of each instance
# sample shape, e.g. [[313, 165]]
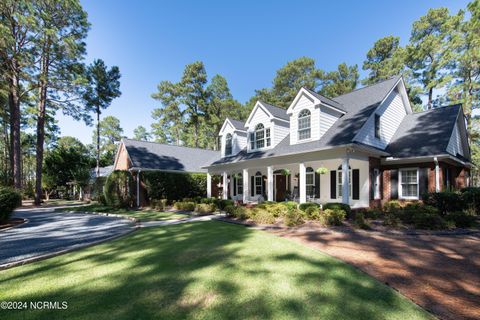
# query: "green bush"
[[262, 216], [338, 206], [304, 206], [294, 217], [471, 198], [332, 217], [221, 204], [158, 204], [174, 186], [462, 219], [242, 213], [229, 210], [446, 201], [392, 206], [312, 213], [360, 221], [407, 213], [291, 205], [428, 218], [185, 206], [204, 208], [277, 209], [391, 219], [118, 189], [9, 200], [372, 213], [208, 200]]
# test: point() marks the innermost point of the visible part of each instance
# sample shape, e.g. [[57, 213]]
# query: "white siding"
[[239, 140], [280, 131], [455, 144], [391, 112], [327, 119], [304, 103], [260, 116]]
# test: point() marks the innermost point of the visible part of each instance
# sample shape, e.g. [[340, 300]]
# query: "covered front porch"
[[321, 177]]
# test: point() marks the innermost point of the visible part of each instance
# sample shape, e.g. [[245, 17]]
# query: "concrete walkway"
[[47, 233]]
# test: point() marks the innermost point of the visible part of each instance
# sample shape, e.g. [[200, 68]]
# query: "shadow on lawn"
[[203, 270]]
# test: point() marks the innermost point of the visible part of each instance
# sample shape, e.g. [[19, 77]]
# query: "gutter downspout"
[[437, 175], [138, 188]]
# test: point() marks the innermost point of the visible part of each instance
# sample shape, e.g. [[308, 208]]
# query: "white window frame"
[[258, 185], [309, 128], [340, 184], [267, 137], [376, 184], [400, 189], [310, 173], [231, 144]]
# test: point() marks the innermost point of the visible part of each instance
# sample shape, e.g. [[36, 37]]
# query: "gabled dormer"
[[311, 115], [233, 137], [266, 125], [386, 118]]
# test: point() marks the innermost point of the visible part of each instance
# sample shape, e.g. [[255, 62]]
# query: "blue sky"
[[245, 41]]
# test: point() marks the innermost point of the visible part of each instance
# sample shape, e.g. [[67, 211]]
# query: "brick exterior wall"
[[122, 161]]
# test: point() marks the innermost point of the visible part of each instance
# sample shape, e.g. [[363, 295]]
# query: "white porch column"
[[246, 192], [303, 187], [209, 185], [138, 188], [437, 175], [345, 181], [225, 186], [270, 183]]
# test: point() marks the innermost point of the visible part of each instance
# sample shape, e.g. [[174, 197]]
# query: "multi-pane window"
[[258, 183], [376, 184], [239, 185], [310, 182], [260, 136], [228, 144], [339, 182], [252, 140], [409, 183], [267, 135], [304, 125], [377, 126]]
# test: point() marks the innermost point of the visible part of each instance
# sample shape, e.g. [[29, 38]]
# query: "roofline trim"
[[229, 121], [161, 170], [430, 157], [259, 104], [316, 101]]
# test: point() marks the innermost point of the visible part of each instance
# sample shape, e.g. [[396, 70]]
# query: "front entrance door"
[[280, 187]]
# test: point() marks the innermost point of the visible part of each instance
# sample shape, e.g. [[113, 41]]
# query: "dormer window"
[[304, 131], [377, 126], [260, 138], [228, 144]]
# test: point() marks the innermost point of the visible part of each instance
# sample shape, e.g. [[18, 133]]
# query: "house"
[[361, 148]]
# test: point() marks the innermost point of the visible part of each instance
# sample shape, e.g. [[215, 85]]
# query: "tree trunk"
[[97, 169], [16, 152], [430, 98]]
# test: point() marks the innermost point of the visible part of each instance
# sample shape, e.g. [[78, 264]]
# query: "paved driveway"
[[440, 273], [50, 232]]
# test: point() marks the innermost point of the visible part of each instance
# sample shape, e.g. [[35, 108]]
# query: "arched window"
[[228, 144], [310, 181], [339, 181], [258, 183], [259, 136], [304, 125]]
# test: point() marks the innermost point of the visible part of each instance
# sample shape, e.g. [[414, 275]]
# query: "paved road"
[[50, 232]]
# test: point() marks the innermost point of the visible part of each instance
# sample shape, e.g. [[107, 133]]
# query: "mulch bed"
[[11, 223]]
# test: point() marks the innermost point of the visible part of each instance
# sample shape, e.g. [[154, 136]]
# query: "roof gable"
[[272, 112], [316, 99]]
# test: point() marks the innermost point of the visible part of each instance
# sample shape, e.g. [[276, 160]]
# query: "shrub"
[[221, 204], [117, 189], [372, 213], [428, 219], [158, 204], [462, 219], [204, 208], [291, 205], [332, 217], [338, 206], [408, 212], [262, 216], [391, 219], [208, 200], [186, 206], [312, 213], [392, 206], [277, 209], [360, 221], [304, 206], [174, 186], [471, 198], [294, 217], [446, 201], [9, 200], [241, 213], [229, 210]]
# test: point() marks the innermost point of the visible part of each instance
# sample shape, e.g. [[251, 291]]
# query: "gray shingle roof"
[[277, 112], [326, 100], [239, 125], [359, 105], [157, 156], [425, 133]]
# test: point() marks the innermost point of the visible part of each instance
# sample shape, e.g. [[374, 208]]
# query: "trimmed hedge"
[[9, 200], [184, 205], [119, 189], [204, 208], [338, 206], [332, 217], [174, 186], [446, 201], [304, 206], [471, 198]]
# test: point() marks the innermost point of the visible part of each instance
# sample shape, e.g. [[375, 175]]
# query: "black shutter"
[[264, 178], [356, 184], [423, 182], [252, 186], [372, 184], [394, 184], [234, 186], [317, 185], [333, 184]]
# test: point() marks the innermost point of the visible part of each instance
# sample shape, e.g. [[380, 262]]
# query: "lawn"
[[201, 270], [142, 215]]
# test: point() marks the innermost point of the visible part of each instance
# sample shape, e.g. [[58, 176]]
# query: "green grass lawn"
[[201, 270], [142, 215]]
